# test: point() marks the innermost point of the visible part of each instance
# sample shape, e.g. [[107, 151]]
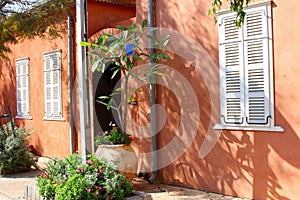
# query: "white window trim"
[[19, 114], [58, 117], [255, 127]]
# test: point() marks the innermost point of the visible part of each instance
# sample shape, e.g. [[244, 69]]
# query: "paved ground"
[[12, 188]]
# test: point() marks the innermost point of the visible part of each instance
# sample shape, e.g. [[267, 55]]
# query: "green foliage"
[[113, 136], [14, 151], [72, 179], [28, 19], [235, 6], [123, 51]]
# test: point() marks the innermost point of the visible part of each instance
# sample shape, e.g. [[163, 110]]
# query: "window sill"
[[24, 117], [253, 128], [54, 119]]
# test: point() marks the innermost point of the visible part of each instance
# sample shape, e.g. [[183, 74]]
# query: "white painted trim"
[[20, 59], [249, 128], [24, 117], [54, 119], [52, 52]]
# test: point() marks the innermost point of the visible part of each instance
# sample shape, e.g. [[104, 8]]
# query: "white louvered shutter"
[[257, 55], [52, 79], [48, 85], [22, 86], [231, 71]]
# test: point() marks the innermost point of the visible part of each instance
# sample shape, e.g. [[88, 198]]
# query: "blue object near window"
[[129, 49]]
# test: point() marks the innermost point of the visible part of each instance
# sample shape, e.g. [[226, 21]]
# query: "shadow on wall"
[[191, 20], [238, 157], [240, 163], [8, 89]]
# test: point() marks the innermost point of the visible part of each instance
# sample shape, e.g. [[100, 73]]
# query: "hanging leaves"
[[29, 19], [235, 6]]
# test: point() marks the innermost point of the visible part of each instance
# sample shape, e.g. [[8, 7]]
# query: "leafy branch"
[[235, 6], [124, 51]]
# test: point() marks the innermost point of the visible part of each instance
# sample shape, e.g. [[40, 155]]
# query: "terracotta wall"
[[253, 164], [50, 138], [106, 15]]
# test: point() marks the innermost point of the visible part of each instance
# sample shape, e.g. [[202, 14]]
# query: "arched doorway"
[[105, 85]]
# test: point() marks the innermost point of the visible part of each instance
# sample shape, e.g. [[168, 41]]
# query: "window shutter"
[[231, 71], [19, 89], [48, 85], [257, 67], [22, 86], [52, 77], [56, 86]]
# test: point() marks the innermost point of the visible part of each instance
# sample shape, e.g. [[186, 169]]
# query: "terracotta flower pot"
[[122, 155]]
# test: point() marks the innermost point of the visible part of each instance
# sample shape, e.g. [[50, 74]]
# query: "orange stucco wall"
[[105, 15], [47, 135], [253, 164]]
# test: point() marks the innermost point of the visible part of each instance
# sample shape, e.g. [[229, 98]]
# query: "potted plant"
[[115, 145], [123, 52]]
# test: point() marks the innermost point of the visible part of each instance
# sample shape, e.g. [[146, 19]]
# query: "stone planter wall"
[[31, 192]]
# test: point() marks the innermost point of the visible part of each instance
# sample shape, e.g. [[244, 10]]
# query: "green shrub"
[[72, 179], [113, 136], [14, 151]]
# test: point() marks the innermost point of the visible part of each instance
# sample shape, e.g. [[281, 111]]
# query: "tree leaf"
[[164, 44], [109, 104], [96, 64], [136, 57], [165, 56], [103, 67], [132, 99], [122, 28], [119, 89], [115, 73], [159, 73], [104, 48], [154, 40], [138, 90], [104, 97], [144, 24], [85, 44]]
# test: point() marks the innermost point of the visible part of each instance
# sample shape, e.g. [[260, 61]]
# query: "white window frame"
[[244, 106], [53, 102], [22, 88]]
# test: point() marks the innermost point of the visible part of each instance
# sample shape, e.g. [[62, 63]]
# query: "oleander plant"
[[71, 178]]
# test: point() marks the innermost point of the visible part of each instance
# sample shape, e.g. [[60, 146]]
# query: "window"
[[22, 86], [52, 83], [246, 70]]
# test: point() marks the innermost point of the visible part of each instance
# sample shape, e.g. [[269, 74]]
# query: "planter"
[[13, 171], [122, 155]]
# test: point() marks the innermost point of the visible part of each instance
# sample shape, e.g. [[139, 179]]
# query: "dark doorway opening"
[[106, 86]]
